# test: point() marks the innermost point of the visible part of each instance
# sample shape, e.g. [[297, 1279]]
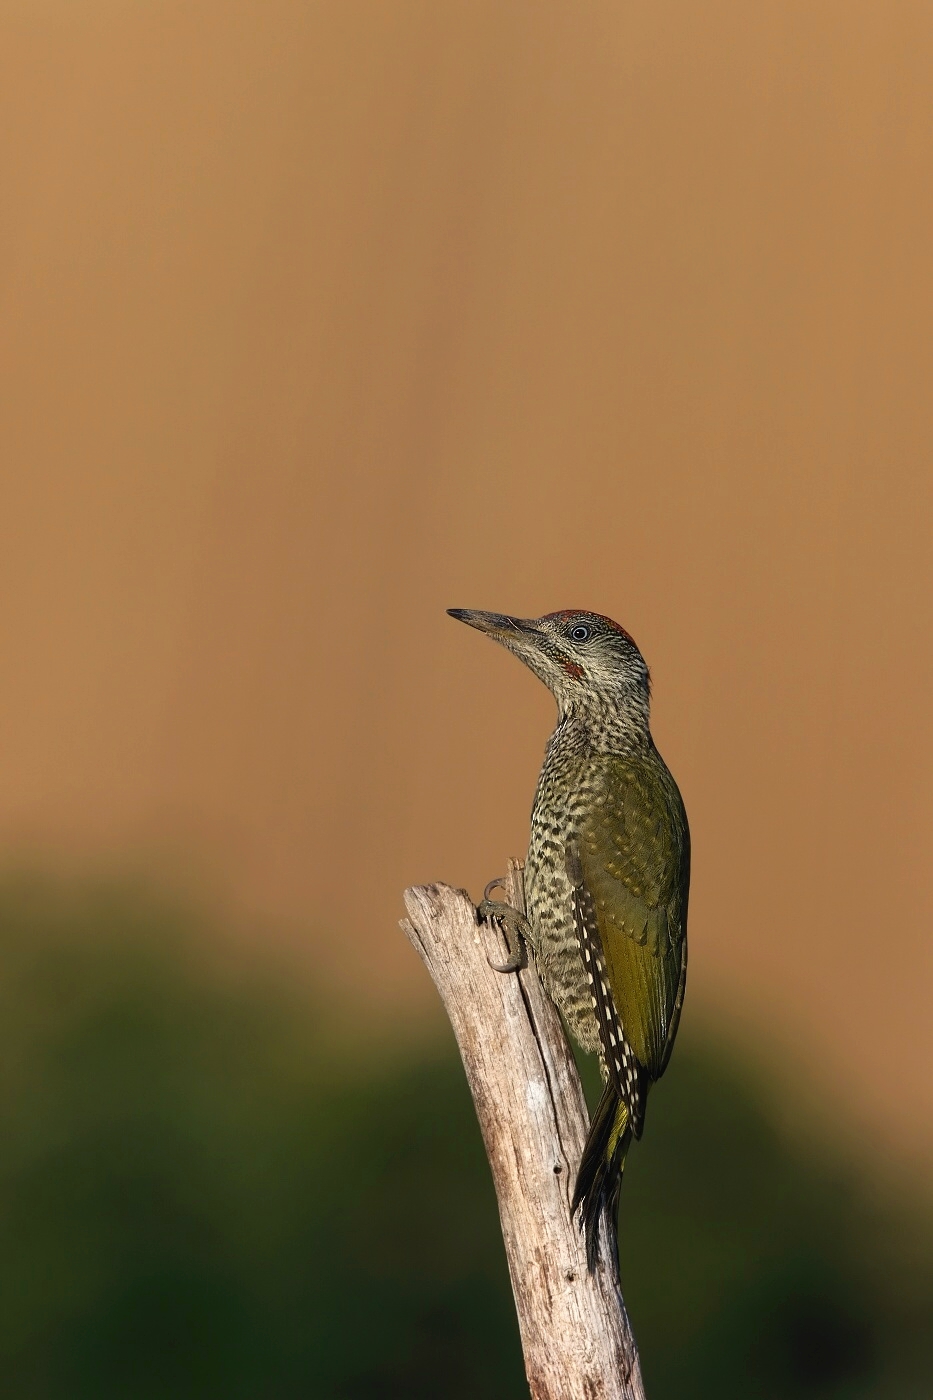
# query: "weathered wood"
[[575, 1333]]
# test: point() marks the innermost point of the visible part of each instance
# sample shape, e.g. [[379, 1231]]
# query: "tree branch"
[[575, 1332]]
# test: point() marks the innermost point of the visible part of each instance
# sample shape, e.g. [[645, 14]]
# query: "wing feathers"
[[621, 1063], [634, 869]]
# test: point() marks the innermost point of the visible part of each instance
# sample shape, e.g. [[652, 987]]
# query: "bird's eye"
[[580, 633]]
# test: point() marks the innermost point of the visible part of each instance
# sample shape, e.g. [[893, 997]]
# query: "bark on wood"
[[575, 1333]]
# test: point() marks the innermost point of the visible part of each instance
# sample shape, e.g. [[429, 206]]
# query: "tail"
[[600, 1174]]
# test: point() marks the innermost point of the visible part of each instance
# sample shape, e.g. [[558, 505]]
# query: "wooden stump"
[[575, 1332]]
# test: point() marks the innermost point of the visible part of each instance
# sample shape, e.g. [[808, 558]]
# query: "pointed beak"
[[497, 625]]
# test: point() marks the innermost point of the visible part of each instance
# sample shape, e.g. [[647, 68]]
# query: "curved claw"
[[498, 884], [514, 927], [512, 965]]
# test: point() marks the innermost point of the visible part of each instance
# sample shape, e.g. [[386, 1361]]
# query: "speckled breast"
[[560, 803]]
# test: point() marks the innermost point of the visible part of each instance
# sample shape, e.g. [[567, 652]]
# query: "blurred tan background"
[[320, 318]]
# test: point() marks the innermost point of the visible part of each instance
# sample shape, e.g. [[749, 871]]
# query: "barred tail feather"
[[600, 1175]]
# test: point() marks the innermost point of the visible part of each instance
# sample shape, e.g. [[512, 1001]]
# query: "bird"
[[607, 879]]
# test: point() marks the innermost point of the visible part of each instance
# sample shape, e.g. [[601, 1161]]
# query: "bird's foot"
[[513, 924]]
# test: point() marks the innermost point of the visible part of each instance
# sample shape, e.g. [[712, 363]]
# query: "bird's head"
[[586, 660]]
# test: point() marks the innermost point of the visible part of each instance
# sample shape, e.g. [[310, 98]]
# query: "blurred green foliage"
[[202, 1195]]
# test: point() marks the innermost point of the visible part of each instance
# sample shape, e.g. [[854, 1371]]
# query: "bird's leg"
[[513, 924]]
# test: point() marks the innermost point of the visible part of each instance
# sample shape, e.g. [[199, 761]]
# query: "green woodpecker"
[[606, 877]]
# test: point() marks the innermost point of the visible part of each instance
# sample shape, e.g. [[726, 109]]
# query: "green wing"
[[634, 852]]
